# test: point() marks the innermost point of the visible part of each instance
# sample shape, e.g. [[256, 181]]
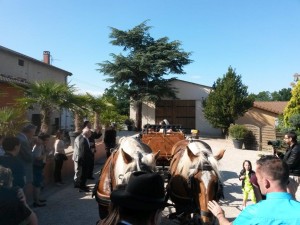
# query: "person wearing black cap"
[[142, 201]]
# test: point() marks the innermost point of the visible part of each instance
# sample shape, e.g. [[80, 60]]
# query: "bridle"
[[191, 203]]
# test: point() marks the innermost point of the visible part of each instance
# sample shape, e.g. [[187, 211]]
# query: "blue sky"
[[259, 38]]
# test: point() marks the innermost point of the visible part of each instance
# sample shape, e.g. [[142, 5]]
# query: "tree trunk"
[[77, 122], [138, 115], [96, 119], [45, 121]]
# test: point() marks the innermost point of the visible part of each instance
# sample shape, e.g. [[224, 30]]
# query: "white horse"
[[133, 156], [195, 179], [130, 155]]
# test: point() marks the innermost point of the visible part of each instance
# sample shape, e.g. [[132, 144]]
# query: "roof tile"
[[272, 106]]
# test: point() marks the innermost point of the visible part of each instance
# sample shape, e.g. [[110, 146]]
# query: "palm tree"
[[49, 96], [96, 105], [77, 104], [11, 120]]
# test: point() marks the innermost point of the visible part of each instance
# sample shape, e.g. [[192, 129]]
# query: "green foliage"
[[95, 106], [280, 124], [47, 95], [294, 121], [11, 121], [262, 96], [228, 101], [119, 97], [109, 116], [142, 69], [237, 131], [293, 106], [281, 95], [284, 94], [129, 122]]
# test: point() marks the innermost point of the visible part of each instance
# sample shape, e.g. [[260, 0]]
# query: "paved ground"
[[66, 206]]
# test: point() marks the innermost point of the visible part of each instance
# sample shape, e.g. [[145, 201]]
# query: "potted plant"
[[237, 132]]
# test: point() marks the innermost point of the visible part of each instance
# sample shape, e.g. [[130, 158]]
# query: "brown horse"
[[130, 155], [194, 181]]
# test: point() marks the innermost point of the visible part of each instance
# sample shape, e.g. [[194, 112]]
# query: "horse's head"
[[204, 177], [134, 156], [199, 168]]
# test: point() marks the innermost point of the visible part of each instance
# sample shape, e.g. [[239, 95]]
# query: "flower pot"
[[238, 143]]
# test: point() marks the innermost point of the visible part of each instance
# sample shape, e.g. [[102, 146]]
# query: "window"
[[21, 62]]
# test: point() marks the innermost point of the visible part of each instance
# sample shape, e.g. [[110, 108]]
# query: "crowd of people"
[[273, 186]]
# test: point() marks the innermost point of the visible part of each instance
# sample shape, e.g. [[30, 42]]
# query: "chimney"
[[47, 57]]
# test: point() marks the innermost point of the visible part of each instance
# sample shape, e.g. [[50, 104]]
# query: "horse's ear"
[[220, 154], [156, 155], [190, 154], [127, 158]]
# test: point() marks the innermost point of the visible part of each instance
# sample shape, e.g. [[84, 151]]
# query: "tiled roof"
[[10, 79], [273, 106]]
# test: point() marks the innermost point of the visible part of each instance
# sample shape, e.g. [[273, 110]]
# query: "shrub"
[[237, 131], [129, 122]]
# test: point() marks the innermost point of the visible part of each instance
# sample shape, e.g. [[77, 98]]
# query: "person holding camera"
[[292, 159]]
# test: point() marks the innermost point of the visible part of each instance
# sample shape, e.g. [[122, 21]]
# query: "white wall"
[[34, 71], [186, 91], [31, 71], [192, 91]]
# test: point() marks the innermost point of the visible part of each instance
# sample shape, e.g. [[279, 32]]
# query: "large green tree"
[[228, 100], [143, 66]]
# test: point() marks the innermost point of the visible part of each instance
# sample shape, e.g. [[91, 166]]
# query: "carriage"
[[162, 139], [192, 169]]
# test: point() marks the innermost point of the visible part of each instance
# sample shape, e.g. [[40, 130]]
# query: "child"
[[247, 187]]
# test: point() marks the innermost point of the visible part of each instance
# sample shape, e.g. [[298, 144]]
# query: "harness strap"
[[206, 213], [103, 199], [111, 169]]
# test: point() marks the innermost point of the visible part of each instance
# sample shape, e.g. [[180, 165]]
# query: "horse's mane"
[[204, 156], [142, 156], [132, 146]]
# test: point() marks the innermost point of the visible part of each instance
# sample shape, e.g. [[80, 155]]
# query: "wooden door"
[[179, 112]]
